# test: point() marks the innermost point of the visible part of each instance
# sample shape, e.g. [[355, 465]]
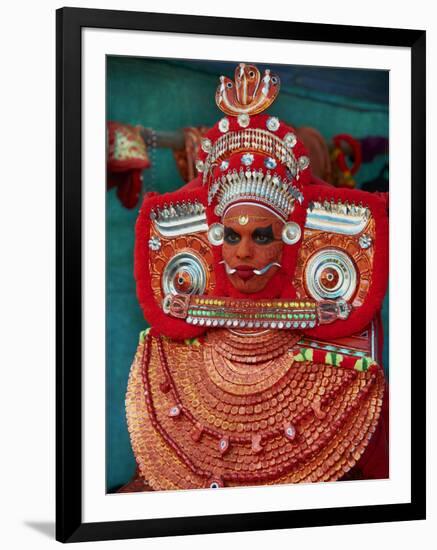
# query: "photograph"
[[216, 291], [247, 330], [240, 231]]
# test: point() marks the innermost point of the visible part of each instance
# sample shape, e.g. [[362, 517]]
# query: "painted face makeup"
[[252, 247]]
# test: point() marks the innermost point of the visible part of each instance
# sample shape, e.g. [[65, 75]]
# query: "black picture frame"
[[69, 525]]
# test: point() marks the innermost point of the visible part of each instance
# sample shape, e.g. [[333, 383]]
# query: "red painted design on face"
[[252, 246]]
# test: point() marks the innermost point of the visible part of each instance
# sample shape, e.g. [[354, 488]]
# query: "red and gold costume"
[[263, 288]]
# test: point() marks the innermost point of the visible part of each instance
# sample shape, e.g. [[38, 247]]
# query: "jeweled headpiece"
[[248, 156], [328, 266]]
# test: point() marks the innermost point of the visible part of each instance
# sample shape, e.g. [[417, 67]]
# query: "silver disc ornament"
[[291, 233], [216, 233], [331, 274], [185, 273]]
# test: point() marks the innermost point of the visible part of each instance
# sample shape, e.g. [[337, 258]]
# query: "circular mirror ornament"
[[330, 274], [291, 233], [216, 234], [184, 274]]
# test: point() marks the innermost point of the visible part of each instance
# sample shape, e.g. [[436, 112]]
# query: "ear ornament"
[[291, 233]]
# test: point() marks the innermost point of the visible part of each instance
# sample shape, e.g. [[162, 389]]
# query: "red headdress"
[[256, 158]]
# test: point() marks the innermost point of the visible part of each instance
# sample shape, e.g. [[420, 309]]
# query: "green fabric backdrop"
[[167, 95]]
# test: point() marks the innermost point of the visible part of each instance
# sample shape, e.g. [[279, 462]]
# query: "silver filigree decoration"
[[337, 217], [278, 193], [255, 139], [180, 218]]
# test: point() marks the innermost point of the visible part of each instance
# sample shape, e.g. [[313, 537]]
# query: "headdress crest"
[[249, 93], [248, 156]]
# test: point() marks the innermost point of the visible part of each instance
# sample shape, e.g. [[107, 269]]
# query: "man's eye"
[[263, 236], [231, 236], [262, 239]]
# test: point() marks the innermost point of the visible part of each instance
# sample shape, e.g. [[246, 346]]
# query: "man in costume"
[[263, 288]]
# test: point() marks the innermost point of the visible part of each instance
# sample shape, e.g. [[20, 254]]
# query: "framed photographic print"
[[241, 243]]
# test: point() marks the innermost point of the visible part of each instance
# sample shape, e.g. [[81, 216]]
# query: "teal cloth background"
[[167, 95]]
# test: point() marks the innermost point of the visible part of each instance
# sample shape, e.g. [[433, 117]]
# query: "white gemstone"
[[290, 139], [154, 243], [206, 145], [223, 125], [244, 120], [290, 431], [199, 165], [272, 123], [247, 159], [270, 162], [365, 241], [304, 162]]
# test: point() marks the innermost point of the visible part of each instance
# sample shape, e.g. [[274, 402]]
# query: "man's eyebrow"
[[265, 231], [230, 230]]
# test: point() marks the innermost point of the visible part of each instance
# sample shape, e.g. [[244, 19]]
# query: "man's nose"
[[245, 249]]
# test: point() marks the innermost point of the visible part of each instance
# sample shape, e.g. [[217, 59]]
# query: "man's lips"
[[245, 272]]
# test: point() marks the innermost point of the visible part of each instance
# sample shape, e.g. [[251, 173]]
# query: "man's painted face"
[[252, 246]]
